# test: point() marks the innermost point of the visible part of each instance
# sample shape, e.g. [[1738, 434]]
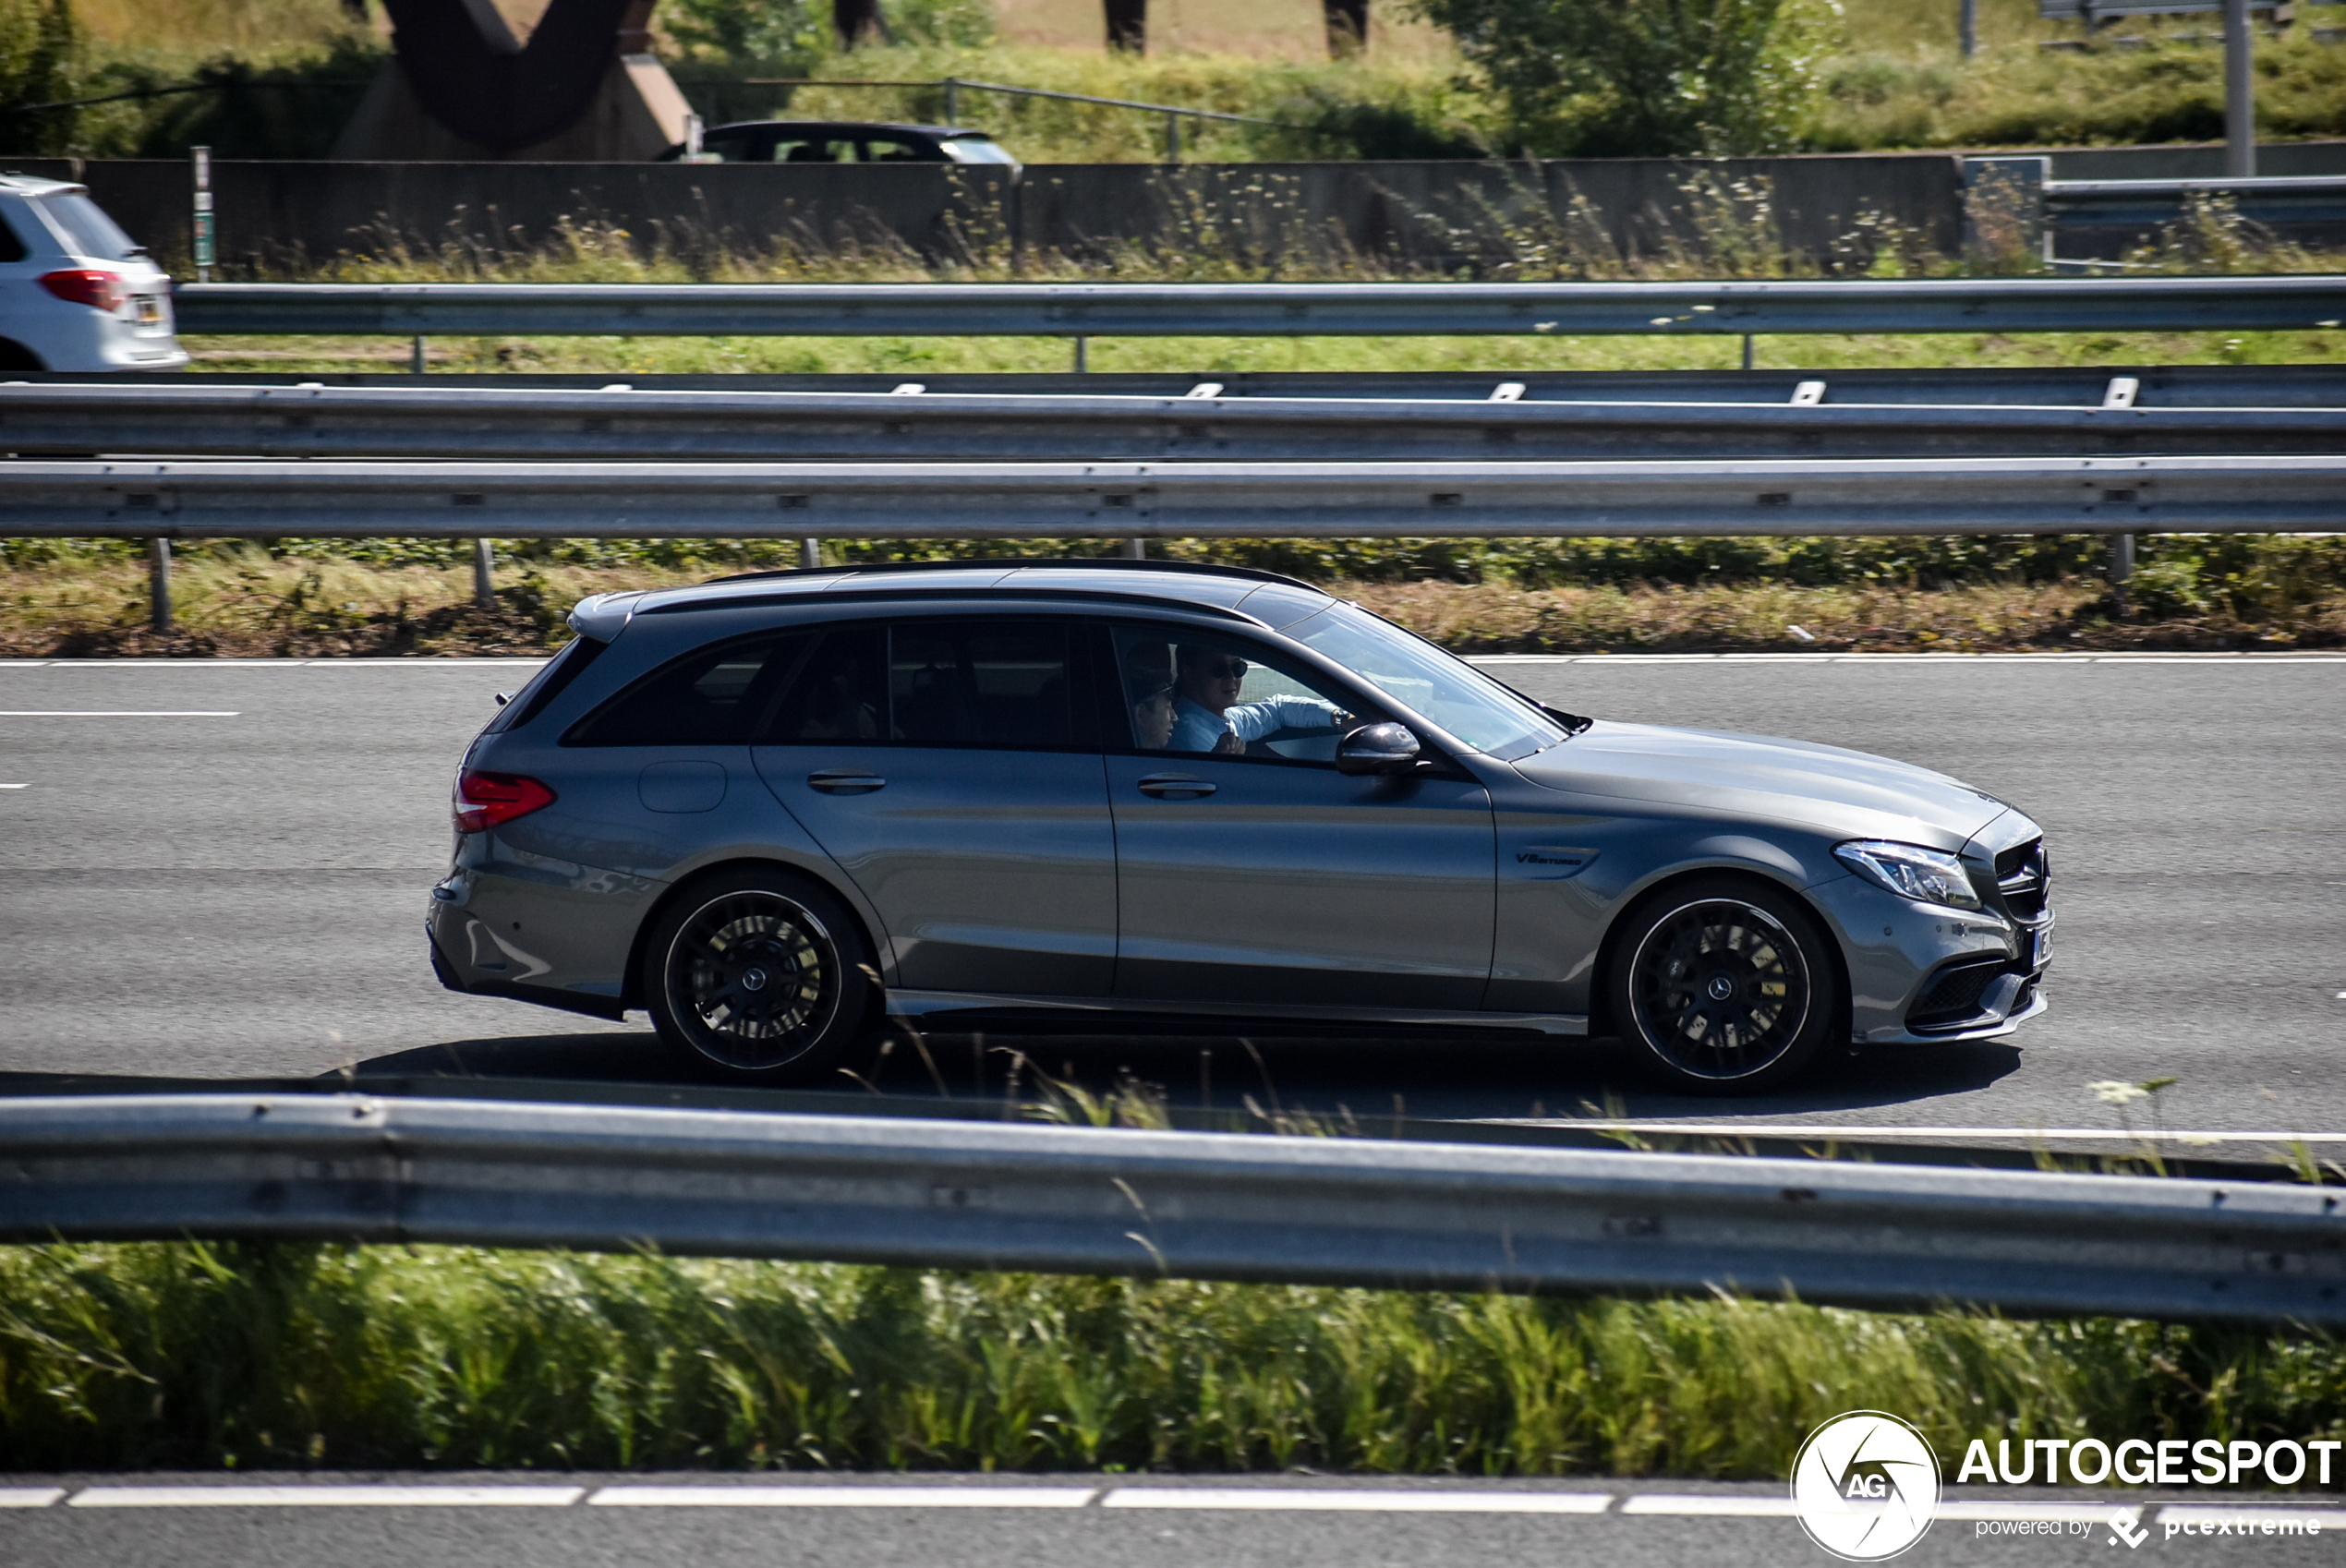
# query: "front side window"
[[977, 150], [1200, 695]]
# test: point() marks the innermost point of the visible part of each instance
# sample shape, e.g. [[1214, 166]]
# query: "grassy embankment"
[[1890, 77], [406, 596], [254, 1357]]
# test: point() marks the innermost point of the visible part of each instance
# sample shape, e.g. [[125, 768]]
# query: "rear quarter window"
[[713, 696]]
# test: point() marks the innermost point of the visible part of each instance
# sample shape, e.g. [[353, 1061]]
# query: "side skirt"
[[1109, 1013]]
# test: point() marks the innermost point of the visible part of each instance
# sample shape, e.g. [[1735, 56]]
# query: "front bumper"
[[1897, 950]]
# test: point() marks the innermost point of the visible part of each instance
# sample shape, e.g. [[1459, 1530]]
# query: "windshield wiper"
[[1573, 722]]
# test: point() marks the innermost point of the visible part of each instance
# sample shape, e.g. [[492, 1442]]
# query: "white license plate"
[[2040, 948], [148, 309]]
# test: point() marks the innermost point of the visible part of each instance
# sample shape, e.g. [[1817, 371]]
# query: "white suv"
[[77, 292]]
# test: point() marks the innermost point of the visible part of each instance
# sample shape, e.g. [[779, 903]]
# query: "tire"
[[1726, 984], [759, 977]]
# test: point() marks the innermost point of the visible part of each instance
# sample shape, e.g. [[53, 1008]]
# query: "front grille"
[[2024, 880], [1952, 995]]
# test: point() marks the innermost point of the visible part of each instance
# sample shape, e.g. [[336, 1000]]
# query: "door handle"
[[845, 781], [1175, 786]]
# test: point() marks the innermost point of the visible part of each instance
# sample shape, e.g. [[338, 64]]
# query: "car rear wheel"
[[1727, 985], [759, 977]]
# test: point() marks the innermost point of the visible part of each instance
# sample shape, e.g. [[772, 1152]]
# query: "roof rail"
[[1117, 563]]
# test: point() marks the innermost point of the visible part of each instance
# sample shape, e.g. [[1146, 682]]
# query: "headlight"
[[1930, 876]]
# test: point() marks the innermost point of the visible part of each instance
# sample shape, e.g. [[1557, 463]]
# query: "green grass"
[[250, 1356], [1890, 78]]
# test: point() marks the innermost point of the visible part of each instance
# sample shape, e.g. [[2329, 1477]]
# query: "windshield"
[[977, 149], [1484, 714], [86, 229]]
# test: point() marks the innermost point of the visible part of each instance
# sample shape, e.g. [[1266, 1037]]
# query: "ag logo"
[[1865, 1486]]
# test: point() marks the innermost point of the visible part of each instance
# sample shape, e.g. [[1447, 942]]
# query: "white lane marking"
[[425, 662], [1731, 1506], [1359, 1500], [720, 1496], [30, 1497], [117, 713], [1859, 1130], [326, 1497], [14, 786], [2054, 1513], [177, 663], [2199, 1514]]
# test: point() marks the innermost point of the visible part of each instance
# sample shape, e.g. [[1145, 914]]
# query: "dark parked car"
[[845, 141], [770, 809]]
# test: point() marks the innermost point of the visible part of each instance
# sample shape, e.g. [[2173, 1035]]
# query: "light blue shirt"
[[1195, 727]]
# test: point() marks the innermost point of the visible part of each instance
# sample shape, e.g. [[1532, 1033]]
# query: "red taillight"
[[484, 800], [86, 285]]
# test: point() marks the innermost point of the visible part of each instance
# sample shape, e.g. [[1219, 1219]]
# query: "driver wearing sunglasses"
[[1208, 717]]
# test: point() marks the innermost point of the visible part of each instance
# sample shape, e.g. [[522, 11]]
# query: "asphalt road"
[[1050, 1521], [217, 869]]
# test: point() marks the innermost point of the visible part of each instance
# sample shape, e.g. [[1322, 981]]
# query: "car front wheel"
[[759, 977], [1727, 985]]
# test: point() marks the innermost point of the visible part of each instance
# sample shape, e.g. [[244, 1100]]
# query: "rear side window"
[[982, 684], [86, 228], [840, 693], [11, 243], [551, 681], [715, 697]]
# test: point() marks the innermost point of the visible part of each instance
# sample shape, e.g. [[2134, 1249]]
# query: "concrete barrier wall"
[[282, 216]]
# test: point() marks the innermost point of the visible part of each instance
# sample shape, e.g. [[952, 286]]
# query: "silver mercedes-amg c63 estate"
[[771, 810]]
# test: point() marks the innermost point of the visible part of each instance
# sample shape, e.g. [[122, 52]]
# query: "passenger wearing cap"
[[1208, 717]]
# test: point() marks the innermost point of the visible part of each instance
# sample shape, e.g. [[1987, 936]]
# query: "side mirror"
[[1377, 748]]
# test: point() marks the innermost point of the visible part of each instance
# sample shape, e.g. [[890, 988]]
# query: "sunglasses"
[[1224, 669]]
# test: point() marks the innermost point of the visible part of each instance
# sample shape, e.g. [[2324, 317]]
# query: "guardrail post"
[[484, 576], [1081, 360], [810, 553], [2121, 568], [159, 583], [416, 356], [1136, 550], [2240, 92], [1746, 351], [1970, 28]]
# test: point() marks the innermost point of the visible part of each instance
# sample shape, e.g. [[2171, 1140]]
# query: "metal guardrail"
[[1089, 1200], [192, 419], [324, 499], [2140, 208], [1989, 305], [2043, 386]]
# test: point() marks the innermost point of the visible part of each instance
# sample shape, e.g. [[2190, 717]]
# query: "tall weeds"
[[272, 1356]]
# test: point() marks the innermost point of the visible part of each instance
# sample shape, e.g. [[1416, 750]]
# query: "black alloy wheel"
[[1727, 985], [762, 980]]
